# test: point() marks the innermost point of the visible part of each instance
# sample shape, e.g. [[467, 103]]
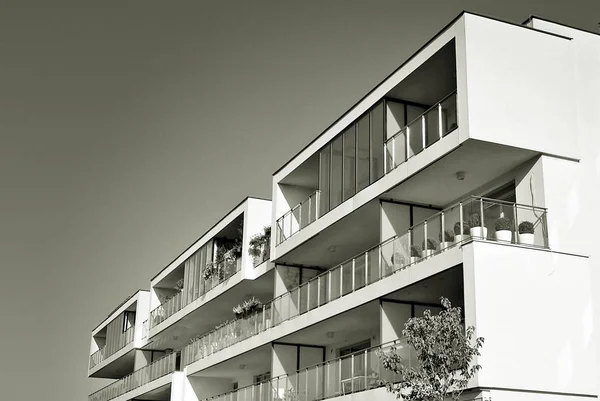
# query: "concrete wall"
[[535, 311], [256, 217], [520, 87]]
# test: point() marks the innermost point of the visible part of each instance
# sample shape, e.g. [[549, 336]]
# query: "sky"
[[127, 128]]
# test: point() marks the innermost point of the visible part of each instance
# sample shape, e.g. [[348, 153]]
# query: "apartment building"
[[470, 172]]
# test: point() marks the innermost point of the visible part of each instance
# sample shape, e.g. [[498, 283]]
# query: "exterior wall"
[[520, 87], [540, 336], [256, 217]]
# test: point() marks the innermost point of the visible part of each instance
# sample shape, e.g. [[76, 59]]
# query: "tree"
[[444, 350]]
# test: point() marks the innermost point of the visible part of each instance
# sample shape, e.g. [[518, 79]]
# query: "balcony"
[[349, 374], [410, 140], [488, 220], [122, 341], [140, 377], [224, 269]]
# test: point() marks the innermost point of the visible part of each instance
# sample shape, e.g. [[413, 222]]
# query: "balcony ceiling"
[[252, 363], [430, 82], [159, 394], [117, 368], [482, 163]]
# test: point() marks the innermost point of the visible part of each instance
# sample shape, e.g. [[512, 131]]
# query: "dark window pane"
[[336, 172], [362, 161], [377, 143], [349, 163], [324, 168]]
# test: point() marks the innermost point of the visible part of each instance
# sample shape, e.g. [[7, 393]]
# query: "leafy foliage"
[[257, 241], [503, 224], [445, 352], [448, 235], [475, 220], [526, 227], [431, 244], [247, 308], [415, 251], [466, 228]]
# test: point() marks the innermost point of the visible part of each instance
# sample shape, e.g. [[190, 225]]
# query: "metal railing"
[[300, 216], [107, 350], [422, 132], [348, 374], [225, 269], [148, 373], [419, 242]]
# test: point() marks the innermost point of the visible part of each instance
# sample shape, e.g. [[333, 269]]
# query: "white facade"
[[469, 173]]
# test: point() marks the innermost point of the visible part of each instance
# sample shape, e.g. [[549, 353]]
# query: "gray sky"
[[128, 128]]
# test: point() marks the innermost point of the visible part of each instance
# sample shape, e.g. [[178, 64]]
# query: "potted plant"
[[526, 233], [448, 238], [415, 253], [503, 226], [398, 259], [429, 247], [259, 247], [248, 308], [476, 228], [458, 236]]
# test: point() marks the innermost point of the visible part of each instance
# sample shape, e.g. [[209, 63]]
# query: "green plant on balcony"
[[430, 245], [260, 244], [178, 285], [465, 231], [248, 308], [477, 229], [526, 227], [212, 270], [415, 251], [474, 220], [448, 235], [503, 229]]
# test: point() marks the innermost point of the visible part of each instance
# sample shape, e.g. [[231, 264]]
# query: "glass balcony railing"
[[145, 329], [147, 374], [474, 218], [422, 132], [348, 374], [111, 348], [224, 270], [301, 215]]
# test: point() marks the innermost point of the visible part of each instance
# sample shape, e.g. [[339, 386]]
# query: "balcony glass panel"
[[449, 120], [122, 340], [377, 139], [362, 153], [349, 163]]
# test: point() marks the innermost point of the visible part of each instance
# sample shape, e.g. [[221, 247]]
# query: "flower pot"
[[480, 232], [428, 252], [526, 239], [460, 238], [445, 244], [414, 259], [504, 235]]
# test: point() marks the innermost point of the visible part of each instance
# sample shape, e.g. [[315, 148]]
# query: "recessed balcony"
[[147, 375]]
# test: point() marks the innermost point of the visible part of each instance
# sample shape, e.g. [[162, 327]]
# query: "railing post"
[[407, 142], [393, 153], [352, 373], [483, 236], [443, 222], [353, 274], [309, 209], [341, 280], [365, 369], [300, 217], [328, 285], [264, 316], [366, 268], [317, 203], [460, 214], [425, 244], [409, 242], [318, 291], [440, 118], [308, 295], [516, 223], [423, 133]]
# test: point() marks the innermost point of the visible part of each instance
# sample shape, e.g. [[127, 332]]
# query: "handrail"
[[124, 339], [126, 384], [272, 303], [421, 115], [298, 205], [388, 344], [179, 295]]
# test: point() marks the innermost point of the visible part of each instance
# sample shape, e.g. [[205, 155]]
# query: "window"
[[262, 377], [128, 320], [349, 163], [355, 348]]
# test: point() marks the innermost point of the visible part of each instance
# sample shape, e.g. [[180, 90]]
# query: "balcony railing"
[[145, 375], [422, 132], [145, 329], [300, 216], [419, 242], [351, 373], [225, 269], [123, 340]]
